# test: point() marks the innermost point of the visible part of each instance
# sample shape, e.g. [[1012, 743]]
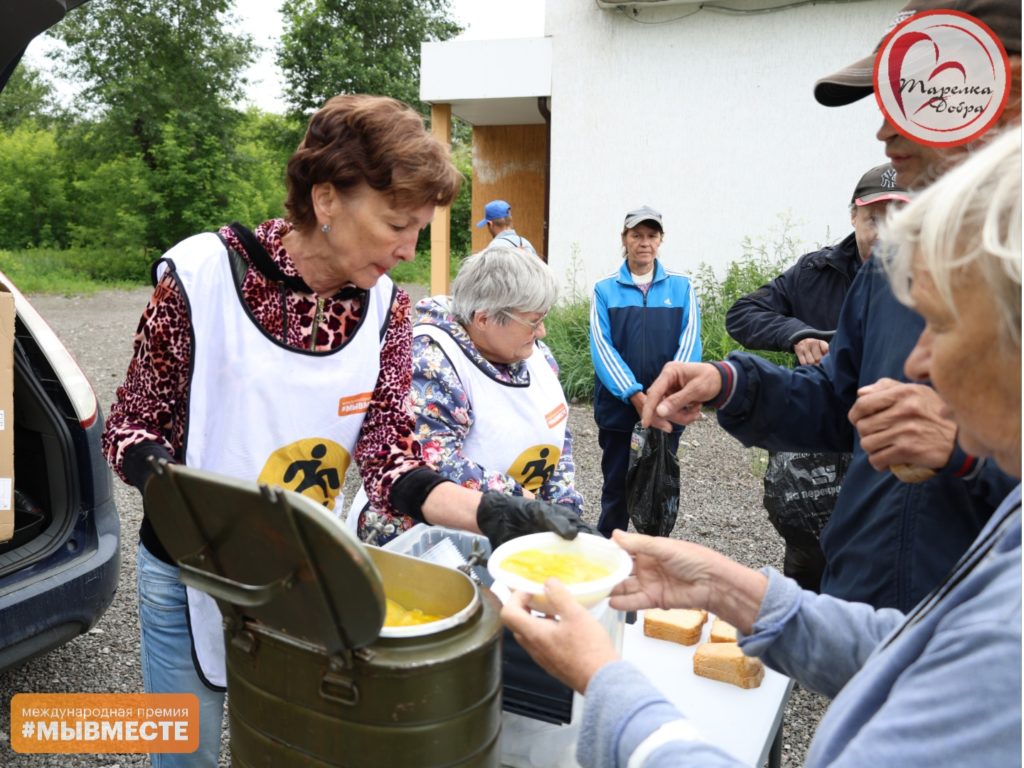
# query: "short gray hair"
[[969, 217], [499, 280]]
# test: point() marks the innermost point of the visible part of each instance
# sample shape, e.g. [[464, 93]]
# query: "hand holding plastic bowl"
[[597, 550]]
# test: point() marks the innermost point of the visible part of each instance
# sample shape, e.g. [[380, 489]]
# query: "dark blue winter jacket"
[[633, 335], [807, 295], [888, 542]]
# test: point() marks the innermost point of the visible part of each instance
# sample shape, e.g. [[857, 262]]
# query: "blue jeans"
[[167, 665]]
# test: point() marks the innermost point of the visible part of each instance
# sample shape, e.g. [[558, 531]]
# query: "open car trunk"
[[45, 471]]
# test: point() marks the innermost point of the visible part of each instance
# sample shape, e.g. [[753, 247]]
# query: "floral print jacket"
[[444, 416]]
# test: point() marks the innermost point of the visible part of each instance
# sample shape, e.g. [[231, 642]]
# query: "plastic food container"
[[596, 549]]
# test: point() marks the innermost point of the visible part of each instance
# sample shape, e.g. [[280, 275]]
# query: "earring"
[[325, 228]]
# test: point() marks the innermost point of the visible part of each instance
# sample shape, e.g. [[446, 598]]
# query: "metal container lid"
[[268, 554]]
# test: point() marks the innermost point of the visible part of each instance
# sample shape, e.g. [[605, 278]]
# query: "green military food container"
[[313, 676]]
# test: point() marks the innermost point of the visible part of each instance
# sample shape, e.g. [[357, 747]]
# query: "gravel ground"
[[721, 509]]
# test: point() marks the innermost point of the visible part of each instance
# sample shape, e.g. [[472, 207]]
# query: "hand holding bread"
[[678, 393]]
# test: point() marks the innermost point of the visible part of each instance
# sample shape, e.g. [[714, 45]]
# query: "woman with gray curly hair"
[[898, 680], [490, 411]]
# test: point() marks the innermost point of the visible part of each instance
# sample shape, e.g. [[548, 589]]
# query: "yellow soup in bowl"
[[539, 566]]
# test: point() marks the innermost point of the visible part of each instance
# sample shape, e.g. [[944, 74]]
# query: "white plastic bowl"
[[595, 548]]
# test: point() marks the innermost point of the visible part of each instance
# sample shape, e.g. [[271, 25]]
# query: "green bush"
[[762, 261], [33, 200], [568, 329], [110, 204]]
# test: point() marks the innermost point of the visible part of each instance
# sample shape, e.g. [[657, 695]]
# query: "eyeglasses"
[[533, 325]]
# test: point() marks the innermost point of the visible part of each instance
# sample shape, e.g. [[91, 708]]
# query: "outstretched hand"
[[810, 351], [671, 573], [678, 393], [667, 573]]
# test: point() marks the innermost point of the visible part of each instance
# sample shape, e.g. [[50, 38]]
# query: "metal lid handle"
[[229, 590]]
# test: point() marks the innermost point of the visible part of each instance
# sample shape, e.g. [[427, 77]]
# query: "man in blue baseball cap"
[[498, 220]]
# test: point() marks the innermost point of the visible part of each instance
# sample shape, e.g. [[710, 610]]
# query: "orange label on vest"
[[349, 406], [75, 723], [557, 416]]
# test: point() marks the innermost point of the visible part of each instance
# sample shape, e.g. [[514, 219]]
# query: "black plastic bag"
[[652, 482], [800, 489]]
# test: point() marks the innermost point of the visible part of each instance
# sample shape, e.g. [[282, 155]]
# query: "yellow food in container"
[[398, 615], [539, 565]]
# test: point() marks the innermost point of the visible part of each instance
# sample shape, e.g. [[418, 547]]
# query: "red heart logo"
[[901, 47]]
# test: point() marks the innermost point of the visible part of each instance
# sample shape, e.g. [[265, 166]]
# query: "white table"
[[743, 722], [746, 723]]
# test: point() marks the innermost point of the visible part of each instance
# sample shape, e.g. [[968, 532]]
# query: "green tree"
[[111, 203], [160, 79], [263, 145], [33, 199], [26, 97], [140, 60], [357, 46]]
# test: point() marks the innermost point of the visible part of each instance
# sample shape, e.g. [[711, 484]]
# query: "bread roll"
[[722, 632], [679, 625], [727, 663], [912, 473]]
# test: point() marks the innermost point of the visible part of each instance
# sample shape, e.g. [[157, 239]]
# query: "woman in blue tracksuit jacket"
[[641, 317]]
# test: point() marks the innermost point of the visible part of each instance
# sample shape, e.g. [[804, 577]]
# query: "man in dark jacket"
[[804, 298], [808, 295]]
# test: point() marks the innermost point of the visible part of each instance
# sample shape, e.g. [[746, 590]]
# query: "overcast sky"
[[260, 18]]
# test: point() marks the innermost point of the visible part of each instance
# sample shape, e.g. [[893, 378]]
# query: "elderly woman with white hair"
[[940, 685], [490, 411]]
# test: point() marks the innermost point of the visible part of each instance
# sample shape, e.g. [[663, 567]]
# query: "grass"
[[49, 270]]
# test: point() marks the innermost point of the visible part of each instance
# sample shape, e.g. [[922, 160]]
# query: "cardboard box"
[[6, 414]]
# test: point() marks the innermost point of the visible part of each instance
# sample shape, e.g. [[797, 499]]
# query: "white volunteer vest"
[[259, 410], [517, 429]]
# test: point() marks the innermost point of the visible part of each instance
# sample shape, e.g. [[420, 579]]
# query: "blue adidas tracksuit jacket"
[[632, 336]]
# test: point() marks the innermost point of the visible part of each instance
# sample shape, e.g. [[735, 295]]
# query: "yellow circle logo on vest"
[[314, 467], [535, 466]]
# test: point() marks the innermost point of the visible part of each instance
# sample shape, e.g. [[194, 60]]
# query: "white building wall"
[[710, 119]]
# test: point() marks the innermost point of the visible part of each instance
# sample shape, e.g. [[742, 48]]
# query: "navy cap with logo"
[[877, 185], [856, 80], [496, 209]]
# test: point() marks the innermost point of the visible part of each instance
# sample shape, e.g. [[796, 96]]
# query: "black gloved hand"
[[136, 463], [502, 517]]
